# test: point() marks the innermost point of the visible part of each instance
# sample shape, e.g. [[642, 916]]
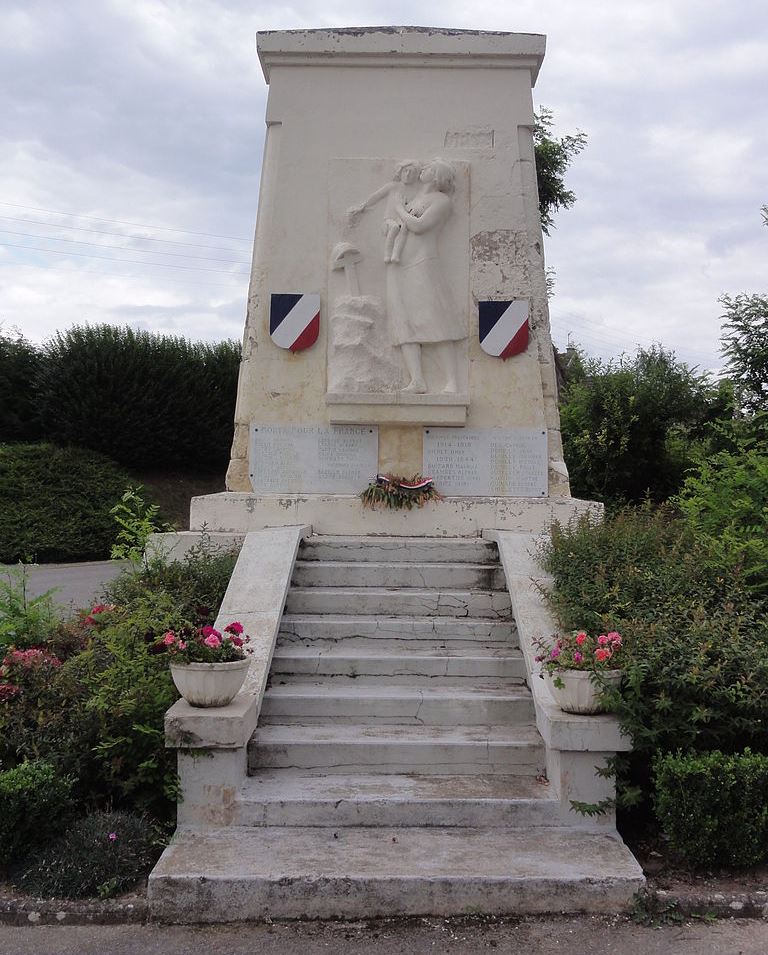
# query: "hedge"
[[55, 503]]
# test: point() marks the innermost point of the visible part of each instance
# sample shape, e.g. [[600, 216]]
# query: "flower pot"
[[580, 694], [209, 684]]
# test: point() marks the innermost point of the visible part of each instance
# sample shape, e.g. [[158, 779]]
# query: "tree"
[[553, 157], [19, 370], [745, 346], [632, 427]]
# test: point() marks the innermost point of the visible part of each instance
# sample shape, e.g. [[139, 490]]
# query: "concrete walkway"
[[571, 936], [77, 585]]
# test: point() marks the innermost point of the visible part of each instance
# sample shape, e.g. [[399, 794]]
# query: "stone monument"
[[397, 314]]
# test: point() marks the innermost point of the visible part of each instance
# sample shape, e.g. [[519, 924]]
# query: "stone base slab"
[[339, 514], [239, 873]]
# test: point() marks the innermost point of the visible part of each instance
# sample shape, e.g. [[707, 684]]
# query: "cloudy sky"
[[131, 136]]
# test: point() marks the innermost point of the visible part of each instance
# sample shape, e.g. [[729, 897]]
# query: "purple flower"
[[555, 653], [112, 837], [577, 657]]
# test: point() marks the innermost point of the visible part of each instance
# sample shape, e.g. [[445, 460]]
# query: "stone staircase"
[[396, 767]]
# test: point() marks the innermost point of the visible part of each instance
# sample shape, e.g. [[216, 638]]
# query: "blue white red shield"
[[504, 327], [294, 320]]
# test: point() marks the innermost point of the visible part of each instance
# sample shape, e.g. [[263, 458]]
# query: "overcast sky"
[[146, 116]]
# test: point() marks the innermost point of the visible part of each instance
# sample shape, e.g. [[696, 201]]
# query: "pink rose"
[[615, 638], [580, 638], [235, 627], [169, 638], [602, 654], [237, 641], [212, 641], [182, 645], [602, 640], [207, 630]]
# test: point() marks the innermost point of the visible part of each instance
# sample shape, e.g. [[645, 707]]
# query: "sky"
[[131, 134]]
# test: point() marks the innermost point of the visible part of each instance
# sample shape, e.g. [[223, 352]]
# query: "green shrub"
[[198, 582], [696, 638], [149, 401], [20, 366], [102, 854], [35, 803], [713, 808], [631, 428], [725, 501], [24, 620], [98, 715], [55, 503]]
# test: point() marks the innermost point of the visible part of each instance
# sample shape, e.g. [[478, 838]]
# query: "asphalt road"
[[574, 936], [77, 585]]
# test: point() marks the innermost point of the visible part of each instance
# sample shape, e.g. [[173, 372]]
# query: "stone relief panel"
[[399, 282]]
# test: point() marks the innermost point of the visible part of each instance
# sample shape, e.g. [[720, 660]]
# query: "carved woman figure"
[[394, 192], [419, 307]]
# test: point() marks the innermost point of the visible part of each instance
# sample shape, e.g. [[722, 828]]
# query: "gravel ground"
[[539, 936]]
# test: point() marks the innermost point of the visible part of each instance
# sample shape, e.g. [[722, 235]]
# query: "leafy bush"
[[98, 715], [197, 582], [149, 401], [102, 854], [726, 504], [745, 346], [696, 673], [20, 364], [137, 521], [34, 805], [713, 808], [55, 503], [24, 620], [630, 428]]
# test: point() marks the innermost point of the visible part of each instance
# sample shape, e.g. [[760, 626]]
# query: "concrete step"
[[288, 798], [323, 702], [457, 576], [395, 633], [473, 550], [235, 873], [413, 601], [359, 748], [299, 664]]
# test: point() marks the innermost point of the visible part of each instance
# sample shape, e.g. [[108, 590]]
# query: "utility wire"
[[139, 225], [108, 258], [102, 245], [122, 235], [127, 275]]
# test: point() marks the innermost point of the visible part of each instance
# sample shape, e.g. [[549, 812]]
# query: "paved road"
[[78, 585], [569, 936]]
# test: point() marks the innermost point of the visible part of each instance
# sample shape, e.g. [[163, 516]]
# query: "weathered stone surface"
[[341, 514], [320, 872]]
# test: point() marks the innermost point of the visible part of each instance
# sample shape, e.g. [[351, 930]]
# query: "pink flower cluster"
[[90, 620], [579, 651], [206, 645], [29, 659]]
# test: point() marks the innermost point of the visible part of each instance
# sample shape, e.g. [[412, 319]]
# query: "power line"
[[126, 275], [102, 245], [139, 225], [122, 235], [108, 258]]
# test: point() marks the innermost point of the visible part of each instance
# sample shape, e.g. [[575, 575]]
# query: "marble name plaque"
[[492, 462], [312, 460]]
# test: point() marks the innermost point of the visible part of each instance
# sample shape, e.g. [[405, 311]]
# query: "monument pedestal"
[[398, 273], [239, 512]]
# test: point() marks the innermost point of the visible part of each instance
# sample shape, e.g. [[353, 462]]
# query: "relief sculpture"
[[419, 311]]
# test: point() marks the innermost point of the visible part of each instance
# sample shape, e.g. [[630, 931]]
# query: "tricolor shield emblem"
[[294, 320], [504, 327]]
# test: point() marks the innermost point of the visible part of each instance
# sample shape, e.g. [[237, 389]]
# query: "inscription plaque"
[[309, 459], [491, 462]]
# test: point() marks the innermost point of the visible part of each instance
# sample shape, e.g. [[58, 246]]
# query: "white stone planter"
[[579, 694], [209, 684]]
